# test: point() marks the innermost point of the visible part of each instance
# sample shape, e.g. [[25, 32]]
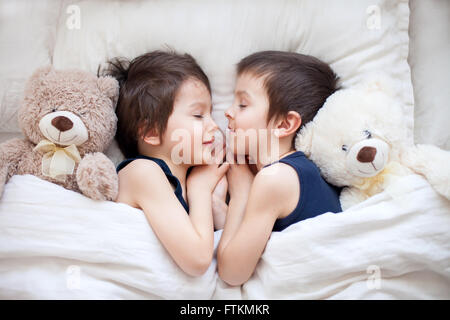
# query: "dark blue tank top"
[[316, 195], [172, 179]]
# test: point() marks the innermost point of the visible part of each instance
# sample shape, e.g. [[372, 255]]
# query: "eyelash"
[[368, 134], [80, 114], [242, 106], [199, 116]]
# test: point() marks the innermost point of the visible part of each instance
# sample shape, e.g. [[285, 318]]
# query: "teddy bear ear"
[[110, 87], [35, 80], [380, 82], [303, 141], [42, 71]]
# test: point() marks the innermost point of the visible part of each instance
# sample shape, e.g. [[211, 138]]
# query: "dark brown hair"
[[148, 87], [293, 82]]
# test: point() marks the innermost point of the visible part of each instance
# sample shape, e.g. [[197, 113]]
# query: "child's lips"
[[209, 142]]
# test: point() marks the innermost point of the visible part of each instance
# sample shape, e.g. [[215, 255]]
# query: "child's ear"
[[151, 137], [289, 124]]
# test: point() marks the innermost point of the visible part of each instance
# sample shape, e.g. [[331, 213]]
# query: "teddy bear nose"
[[366, 154], [62, 123]]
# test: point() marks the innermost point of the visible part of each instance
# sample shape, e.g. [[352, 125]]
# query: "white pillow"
[[355, 37], [430, 64], [27, 34]]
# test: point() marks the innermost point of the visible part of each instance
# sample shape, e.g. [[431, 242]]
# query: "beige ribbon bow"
[[374, 185], [57, 162]]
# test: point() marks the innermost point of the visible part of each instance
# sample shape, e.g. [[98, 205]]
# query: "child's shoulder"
[[278, 186], [278, 177], [139, 165], [302, 165], [138, 172], [276, 172]]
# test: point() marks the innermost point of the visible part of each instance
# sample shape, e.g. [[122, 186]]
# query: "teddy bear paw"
[[97, 177]]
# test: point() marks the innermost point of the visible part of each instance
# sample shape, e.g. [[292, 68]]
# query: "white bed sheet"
[[58, 244]]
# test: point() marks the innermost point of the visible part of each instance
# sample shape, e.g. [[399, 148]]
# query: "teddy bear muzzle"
[[367, 158], [63, 128]]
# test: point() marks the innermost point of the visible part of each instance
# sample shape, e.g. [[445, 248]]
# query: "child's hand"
[[219, 205], [206, 177], [240, 179]]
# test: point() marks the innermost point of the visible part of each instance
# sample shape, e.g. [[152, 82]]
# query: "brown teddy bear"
[[68, 119]]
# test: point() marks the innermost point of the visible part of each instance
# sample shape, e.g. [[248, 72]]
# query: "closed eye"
[[198, 116], [242, 106]]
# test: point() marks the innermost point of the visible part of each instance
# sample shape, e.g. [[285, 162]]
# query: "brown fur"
[[91, 99]]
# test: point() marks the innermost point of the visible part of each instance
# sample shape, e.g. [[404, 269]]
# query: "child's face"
[[190, 129], [249, 114]]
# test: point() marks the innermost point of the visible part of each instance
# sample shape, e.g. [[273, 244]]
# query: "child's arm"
[[189, 239], [219, 205], [240, 179], [248, 227]]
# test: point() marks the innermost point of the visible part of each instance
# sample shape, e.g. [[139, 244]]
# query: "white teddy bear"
[[358, 139]]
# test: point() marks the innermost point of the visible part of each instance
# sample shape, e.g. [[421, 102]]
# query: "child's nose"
[[229, 113], [212, 125]]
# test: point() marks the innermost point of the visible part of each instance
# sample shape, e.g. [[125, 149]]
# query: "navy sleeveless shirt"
[[316, 195], [172, 179]]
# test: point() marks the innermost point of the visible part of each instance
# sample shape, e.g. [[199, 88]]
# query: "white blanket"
[[55, 243], [58, 244], [395, 245]]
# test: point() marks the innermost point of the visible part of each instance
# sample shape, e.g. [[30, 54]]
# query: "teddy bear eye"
[[367, 134], [344, 148]]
